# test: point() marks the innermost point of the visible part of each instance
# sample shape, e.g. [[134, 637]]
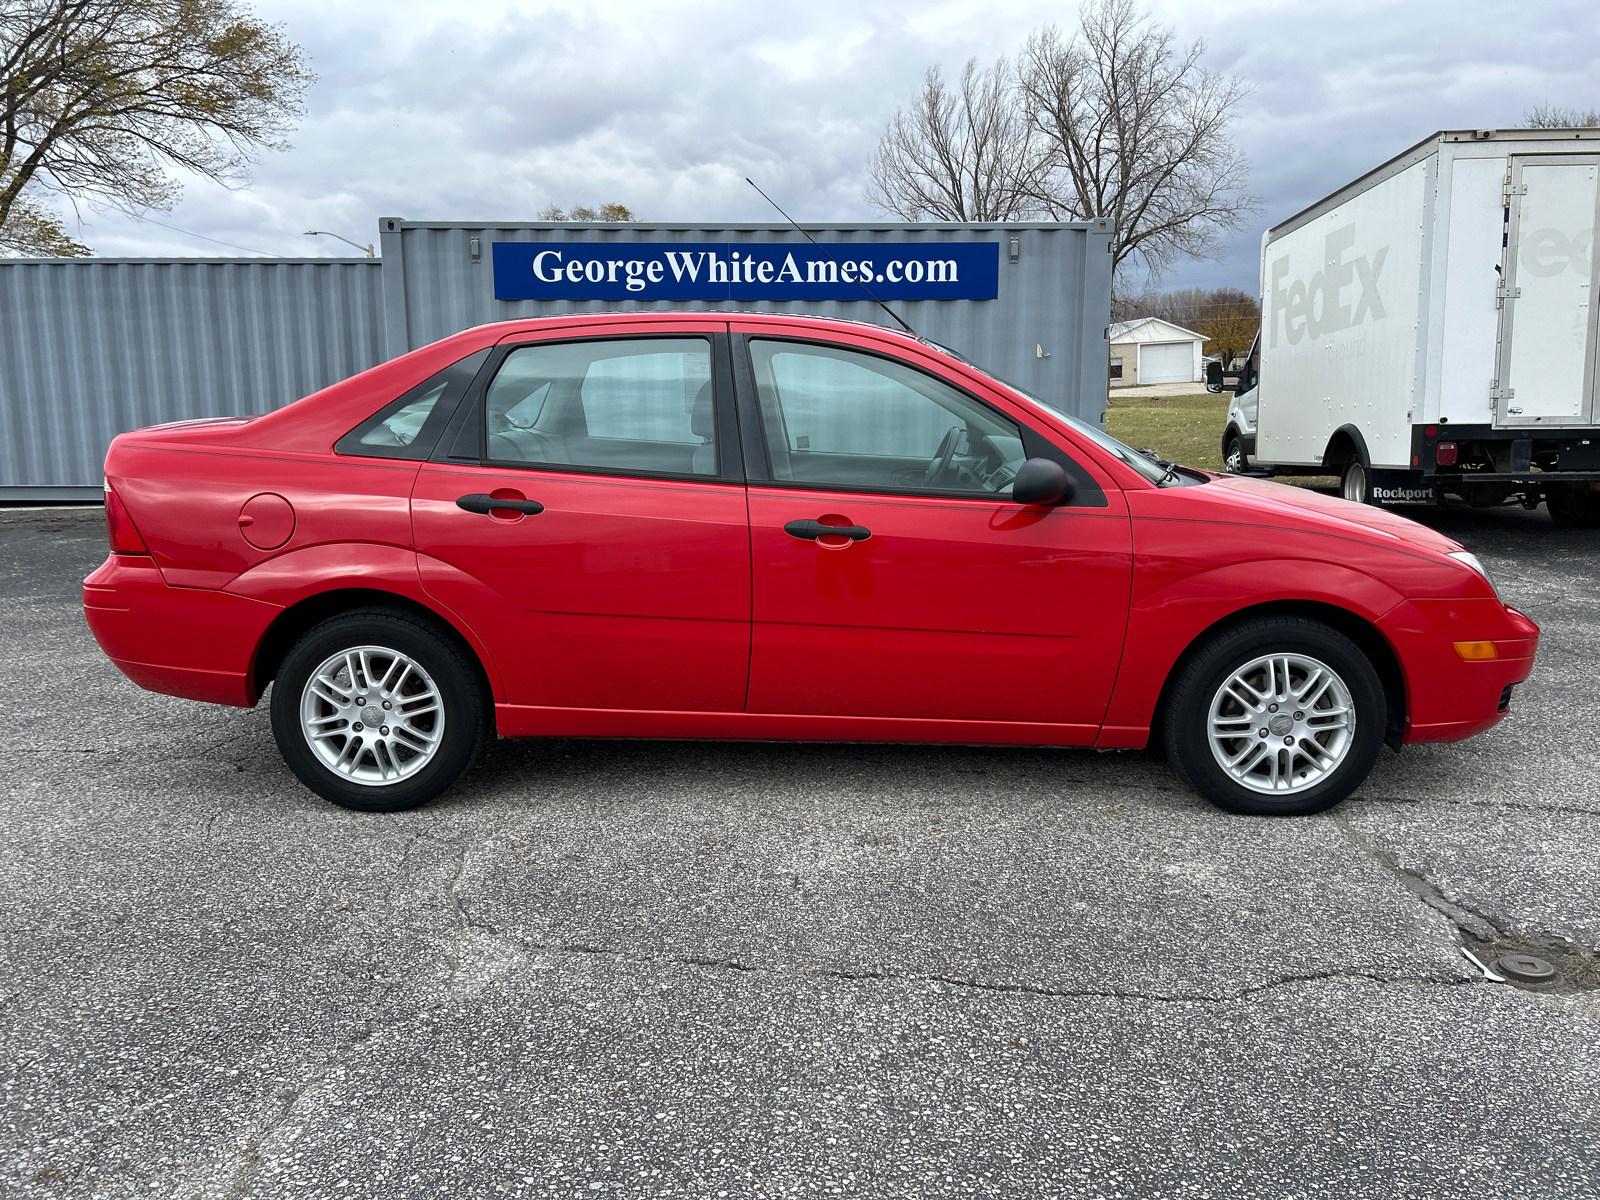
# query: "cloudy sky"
[[438, 111]]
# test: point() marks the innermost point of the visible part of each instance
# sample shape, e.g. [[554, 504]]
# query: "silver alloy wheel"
[[372, 715], [1281, 723], [1354, 485], [1234, 462]]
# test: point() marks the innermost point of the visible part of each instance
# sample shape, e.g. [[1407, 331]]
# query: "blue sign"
[[746, 270]]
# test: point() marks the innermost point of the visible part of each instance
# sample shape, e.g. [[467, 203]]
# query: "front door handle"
[[480, 502], [808, 530]]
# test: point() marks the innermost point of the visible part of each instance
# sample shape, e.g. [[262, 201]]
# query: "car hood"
[[1282, 503]]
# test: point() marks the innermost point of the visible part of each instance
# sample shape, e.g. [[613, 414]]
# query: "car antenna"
[[832, 259]]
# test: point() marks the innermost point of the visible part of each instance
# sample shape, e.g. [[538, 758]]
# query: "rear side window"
[[624, 406], [410, 426], [402, 427]]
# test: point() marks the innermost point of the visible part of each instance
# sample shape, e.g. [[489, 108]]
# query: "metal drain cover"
[[1527, 968]]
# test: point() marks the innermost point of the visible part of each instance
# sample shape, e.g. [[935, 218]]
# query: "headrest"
[[703, 417]]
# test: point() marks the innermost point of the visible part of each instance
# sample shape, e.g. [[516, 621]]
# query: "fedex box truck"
[[1428, 330]]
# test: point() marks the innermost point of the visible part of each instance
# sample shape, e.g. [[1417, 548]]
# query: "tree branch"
[[99, 97]]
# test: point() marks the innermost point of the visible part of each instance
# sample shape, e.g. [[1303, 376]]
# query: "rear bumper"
[[1449, 698], [187, 642]]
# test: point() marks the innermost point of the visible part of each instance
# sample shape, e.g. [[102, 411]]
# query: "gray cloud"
[[429, 112]]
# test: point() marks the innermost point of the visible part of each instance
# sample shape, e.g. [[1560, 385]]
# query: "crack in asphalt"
[[243, 1176], [956, 980], [524, 950], [1466, 919], [1477, 930], [469, 927]]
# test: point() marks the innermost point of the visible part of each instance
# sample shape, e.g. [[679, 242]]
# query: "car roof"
[[616, 315], [613, 316]]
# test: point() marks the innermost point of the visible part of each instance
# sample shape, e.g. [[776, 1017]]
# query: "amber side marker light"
[[1477, 651]]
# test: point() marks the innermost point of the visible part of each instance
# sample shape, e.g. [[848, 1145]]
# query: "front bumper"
[[1447, 697], [188, 642]]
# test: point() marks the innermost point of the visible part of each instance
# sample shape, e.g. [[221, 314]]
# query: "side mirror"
[[1041, 481], [1213, 377]]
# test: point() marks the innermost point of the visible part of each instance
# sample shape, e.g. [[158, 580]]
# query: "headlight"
[[1468, 558]]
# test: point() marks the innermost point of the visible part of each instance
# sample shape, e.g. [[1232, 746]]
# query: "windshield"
[[1153, 471]]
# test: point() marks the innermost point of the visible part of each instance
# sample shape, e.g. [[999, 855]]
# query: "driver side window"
[[842, 419]]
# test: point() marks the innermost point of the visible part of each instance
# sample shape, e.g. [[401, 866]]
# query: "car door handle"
[[479, 502], [807, 530]]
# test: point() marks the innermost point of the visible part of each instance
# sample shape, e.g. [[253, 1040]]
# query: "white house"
[[1150, 350]]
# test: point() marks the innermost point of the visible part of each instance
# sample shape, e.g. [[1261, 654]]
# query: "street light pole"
[[342, 238]]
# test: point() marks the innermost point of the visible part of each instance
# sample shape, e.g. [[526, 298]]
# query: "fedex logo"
[[1548, 252], [1317, 306]]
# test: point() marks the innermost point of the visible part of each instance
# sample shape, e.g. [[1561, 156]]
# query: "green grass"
[[1182, 429]]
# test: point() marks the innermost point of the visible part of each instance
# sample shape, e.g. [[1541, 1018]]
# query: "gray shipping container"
[[92, 347]]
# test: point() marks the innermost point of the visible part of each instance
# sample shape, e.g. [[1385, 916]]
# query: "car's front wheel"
[[1276, 715], [378, 710]]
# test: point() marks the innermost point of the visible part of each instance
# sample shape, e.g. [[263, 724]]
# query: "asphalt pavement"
[[708, 970]]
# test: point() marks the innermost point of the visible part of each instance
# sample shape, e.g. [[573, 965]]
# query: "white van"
[[1428, 331]]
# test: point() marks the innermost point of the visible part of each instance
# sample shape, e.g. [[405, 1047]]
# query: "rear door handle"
[[480, 502], [808, 530]]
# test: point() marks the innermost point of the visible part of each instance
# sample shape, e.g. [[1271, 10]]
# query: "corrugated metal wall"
[[1055, 299], [90, 348]]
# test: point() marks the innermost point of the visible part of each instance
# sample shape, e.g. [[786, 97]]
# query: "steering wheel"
[[942, 457]]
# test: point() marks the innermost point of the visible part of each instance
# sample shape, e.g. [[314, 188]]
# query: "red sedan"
[[748, 526]]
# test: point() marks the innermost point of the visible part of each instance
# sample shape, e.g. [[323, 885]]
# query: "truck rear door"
[[1546, 361]]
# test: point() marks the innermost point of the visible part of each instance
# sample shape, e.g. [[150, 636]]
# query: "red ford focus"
[[738, 526]]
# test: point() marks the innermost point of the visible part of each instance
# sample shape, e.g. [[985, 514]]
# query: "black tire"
[[1573, 507], [1355, 482], [1234, 461], [1187, 713], [463, 705]]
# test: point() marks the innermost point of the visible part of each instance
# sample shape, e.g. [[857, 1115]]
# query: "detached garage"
[[1150, 350]]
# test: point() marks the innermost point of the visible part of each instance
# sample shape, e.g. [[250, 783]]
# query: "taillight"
[[1445, 454], [124, 537]]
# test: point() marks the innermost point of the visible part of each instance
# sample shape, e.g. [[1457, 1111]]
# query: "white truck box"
[[1428, 329]]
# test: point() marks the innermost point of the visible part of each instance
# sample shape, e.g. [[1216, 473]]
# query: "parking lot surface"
[[685, 969]]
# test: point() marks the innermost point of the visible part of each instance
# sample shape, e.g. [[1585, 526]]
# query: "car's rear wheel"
[[378, 710], [1276, 716]]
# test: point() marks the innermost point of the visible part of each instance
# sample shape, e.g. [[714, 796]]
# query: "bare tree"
[[963, 155], [1560, 116], [1112, 121], [1189, 307], [1136, 130], [99, 98]]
